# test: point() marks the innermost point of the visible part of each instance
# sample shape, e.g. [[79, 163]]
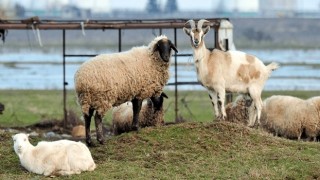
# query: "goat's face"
[[164, 47], [196, 33], [19, 142]]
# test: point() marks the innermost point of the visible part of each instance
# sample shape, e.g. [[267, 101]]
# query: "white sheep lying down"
[[151, 114], [61, 157], [109, 80], [291, 117]]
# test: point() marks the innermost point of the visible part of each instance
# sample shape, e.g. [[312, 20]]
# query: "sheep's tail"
[[272, 66]]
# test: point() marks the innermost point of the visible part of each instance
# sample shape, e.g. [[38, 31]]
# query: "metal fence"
[[64, 25]]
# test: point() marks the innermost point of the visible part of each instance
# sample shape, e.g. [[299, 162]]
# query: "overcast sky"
[[183, 5]]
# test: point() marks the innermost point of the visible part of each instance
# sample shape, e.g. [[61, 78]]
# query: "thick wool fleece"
[[289, 117], [111, 79], [238, 111], [122, 117]]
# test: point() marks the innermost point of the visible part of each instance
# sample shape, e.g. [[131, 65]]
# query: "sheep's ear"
[[187, 31], [173, 46], [206, 30], [164, 95]]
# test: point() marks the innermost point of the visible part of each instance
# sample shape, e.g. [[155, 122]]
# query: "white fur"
[[61, 157], [224, 75]]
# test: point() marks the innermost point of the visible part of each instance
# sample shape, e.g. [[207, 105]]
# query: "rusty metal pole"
[[119, 40], [64, 78], [175, 77], [229, 95]]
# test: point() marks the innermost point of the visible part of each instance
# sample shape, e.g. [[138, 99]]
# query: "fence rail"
[[36, 23]]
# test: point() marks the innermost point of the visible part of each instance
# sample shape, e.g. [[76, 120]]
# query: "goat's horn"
[[200, 23], [192, 23]]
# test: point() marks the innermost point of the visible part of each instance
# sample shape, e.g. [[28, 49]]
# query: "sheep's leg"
[[214, 101], [87, 119], [99, 129], [136, 107]]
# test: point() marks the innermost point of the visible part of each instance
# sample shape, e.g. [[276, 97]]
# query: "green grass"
[[25, 107], [188, 151], [198, 149]]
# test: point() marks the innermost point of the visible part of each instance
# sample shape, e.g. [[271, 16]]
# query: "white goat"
[[234, 71], [61, 157]]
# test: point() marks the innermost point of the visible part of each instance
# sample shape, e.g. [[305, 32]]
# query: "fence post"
[[64, 79], [175, 77]]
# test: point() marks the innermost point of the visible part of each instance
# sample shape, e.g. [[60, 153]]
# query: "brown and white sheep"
[[151, 114], [109, 80], [233, 71]]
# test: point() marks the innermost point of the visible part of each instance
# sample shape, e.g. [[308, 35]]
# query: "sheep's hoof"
[[135, 128], [89, 143], [101, 141]]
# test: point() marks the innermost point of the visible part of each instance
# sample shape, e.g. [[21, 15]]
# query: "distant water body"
[[300, 70]]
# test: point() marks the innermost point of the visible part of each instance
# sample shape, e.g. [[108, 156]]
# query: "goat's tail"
[[272, 66]]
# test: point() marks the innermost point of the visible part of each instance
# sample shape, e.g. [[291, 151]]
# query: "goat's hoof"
[[220, 118]]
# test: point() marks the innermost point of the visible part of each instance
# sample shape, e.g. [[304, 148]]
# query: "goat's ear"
[[187, 31], [173, 46], [206, 30]]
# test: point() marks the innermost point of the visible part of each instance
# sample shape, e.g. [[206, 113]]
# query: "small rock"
[[34, 134], [50, 135], [66, 136], [78, 131], [13, 131]]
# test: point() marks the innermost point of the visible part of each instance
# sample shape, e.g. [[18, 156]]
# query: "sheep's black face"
[[164, 47], [158, 101]]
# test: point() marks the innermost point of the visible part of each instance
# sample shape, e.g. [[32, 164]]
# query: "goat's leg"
[[136, 107], [255, 94], [214, 101], [99, 130], [221, 94], [252, 115], [87, 119]]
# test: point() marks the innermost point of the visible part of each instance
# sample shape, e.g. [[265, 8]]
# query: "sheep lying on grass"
[[61, 157], [233, 71], [151, 114], [112, 79], [290, 117], [238, 111]]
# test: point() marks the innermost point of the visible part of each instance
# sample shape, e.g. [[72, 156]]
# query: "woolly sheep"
[[233, 71], [238, 111], [111, 79], [315, 102], [151, 114], [61, 157], [290, 117]]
